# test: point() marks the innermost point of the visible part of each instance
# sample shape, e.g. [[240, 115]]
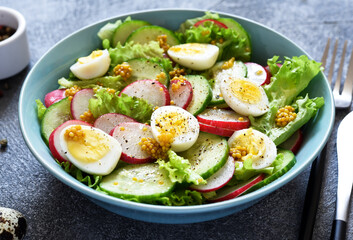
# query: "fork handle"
[[339, 228]]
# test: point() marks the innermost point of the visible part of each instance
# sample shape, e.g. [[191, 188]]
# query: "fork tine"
[[332, 62], [336, 89], [348, 84], [324, 56]]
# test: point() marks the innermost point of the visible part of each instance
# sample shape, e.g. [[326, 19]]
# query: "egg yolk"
[[173, 123], [248, 145], [86, 146], [245, 91], [189, 49], [93, 55]]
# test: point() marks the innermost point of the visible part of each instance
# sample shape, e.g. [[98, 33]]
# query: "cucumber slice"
[[230, 23], [142, 182], [125, 29], [150, 33], [208, 154], [54, 116], [143, 68], [202, 94], [288, 162], [238, 70]]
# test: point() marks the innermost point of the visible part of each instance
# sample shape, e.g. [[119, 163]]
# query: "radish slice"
[[257, 73], [54, 139], [219, 179], [181, 96], [224, 118], [129, 134], [219, 24], [54, 96], [107, 122], [152, 91], [79, 103], [227, 193], [269, 75], [294, 142], [216, 130]]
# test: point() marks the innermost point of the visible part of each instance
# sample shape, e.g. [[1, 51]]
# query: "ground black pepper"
[[6, 32]]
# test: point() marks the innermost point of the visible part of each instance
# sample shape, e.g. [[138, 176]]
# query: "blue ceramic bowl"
[[56, 62]]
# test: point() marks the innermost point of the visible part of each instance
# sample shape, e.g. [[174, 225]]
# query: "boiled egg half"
[[90, 149], [197, 56], [258, 147], [92, 66], [244, 96], [175, 126]]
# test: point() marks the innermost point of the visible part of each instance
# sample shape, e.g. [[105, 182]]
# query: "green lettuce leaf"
[[278, 162], [107, 31], [122, 53], [180, 197], [166, 63], [183, 197], [40, 109], [292, 78], [286, 84], [209, 31], [272, 63], [306, 108], [179, 169], [114, 82], [190, 22], [245, 171], [105, 102], [91, 181]]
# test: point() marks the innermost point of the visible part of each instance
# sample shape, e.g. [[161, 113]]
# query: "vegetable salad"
[[178, 117]]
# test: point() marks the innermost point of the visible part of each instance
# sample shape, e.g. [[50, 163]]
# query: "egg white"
[[196, 56], [103, 166], [91, 66], [255, 101], [184, 138], [253, 141]]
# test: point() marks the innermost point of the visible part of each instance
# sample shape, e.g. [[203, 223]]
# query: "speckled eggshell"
[[13, 224]]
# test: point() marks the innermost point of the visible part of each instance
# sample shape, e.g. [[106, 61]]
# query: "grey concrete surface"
[[55, 211]]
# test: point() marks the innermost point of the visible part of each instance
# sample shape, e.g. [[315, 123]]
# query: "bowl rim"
[[253, 196]]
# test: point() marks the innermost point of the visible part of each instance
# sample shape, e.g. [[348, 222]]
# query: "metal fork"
[[343, 99]]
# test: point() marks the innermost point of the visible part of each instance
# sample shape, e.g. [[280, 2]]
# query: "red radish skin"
[[257, 73], [269, 75], [183, 95], [107, 122], [235, 191], [54, 96], [54, 139], [129, 134], [294, 142], [216, 130], [152, 91], [80, 101], [224, 118], [219, 24], [218, 179]]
